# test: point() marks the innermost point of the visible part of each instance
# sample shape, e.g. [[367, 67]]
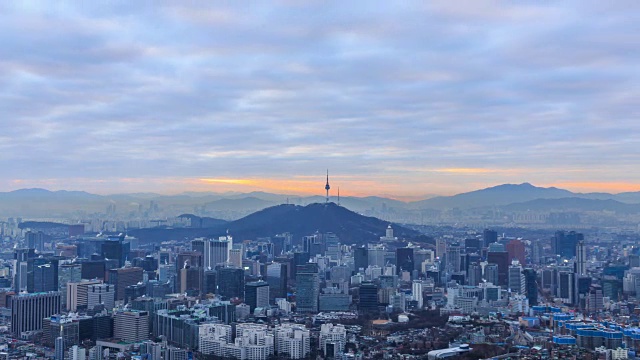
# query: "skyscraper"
[[256, 294], [516, 278], [489, 236], [123, 277], [581, 259], [131, 326], [117, 249], [308, 288], [404, 260], [35, 240], [515, 248], [491, 273], [565, 244], [501, 259], [531, 286], [474, 274], [216, 251], [368, 297], [277, 279], [230, 282], [360, 259], [42, 275]]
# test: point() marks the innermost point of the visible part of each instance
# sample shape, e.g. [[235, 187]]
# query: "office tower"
[[21, 257], [566, 287], [42, 275], [101, 294], [441, 249], [277, 279], [123, 277], [197, 245], [472, 245], [531, 286], [59, 348], [230, 282], [216, 251], [375, 256], [500, 258], [368, 297], [516, 278], [420, 256], [516, 251], [491, 273], [35, 240], [537, 252], [68, 273], [489, 236], [279, 244], [209, 283], [189, 280], [131, 326], [404, 260], [308, 288], [474, 274], [565, 244], [360, 259], [333, 339], [78, 294], [453, 258], [236, 255], [77, 353], [256, 294], [93, 269], [416, 292], [581, 259], [117, 249], [594, 300], [292, 341], [28, 310]]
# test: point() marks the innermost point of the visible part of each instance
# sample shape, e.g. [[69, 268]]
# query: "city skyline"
[[400, 100]]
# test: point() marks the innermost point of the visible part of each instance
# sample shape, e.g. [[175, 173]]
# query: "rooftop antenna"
[[338, 195], [327, 187]]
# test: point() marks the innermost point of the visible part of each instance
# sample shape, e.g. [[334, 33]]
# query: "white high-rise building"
[[516, 278], [333, 339], [131, 326], [104, 294], [252, 342], [581, 259], [292, 340], [217, 251], [78, 294], [77, 353], [212, 337], [416, 291]]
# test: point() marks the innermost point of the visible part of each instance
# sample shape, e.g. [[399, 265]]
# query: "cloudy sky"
[[394, 98]]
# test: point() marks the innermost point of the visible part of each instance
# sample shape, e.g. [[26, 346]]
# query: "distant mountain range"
[[44, 204], [350, 227]]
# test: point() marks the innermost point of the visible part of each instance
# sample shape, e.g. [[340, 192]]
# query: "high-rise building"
[[197, 245], [472, 245], [516, 278], [368, 297], [28, 310], [489, 236], [474, 274], [416, 291], [123, 277], [594, 300], [360, 259], [256, 294], [516, 251], [116, 248], [236, 255], [453, 257], [68, 273], [230, 282], [491, 273], [93, 269], [21, 257], [42, 275], [277, 279], [404, 260], [375, 256], [566, 287], [307, 288], [500, 258], [216, 251], [581, 259], [78, 294], [531, 286], [565, 244], [131, 326], [57, 326], [35, 240], [101, 294], [59, 348]]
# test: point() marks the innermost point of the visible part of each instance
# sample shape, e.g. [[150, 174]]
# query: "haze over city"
[[129, 97]]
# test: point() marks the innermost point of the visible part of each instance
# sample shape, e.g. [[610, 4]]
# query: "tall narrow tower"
[[327, 187]]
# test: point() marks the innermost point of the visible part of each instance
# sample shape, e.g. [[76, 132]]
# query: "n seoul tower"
[[327, 187]]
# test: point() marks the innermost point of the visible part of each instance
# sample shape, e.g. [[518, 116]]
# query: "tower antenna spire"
[[327, 187], [338, 195]]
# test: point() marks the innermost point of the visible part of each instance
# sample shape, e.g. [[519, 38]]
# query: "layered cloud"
[[409, 98]]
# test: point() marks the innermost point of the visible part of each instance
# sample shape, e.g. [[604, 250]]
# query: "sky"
[[399, 99]]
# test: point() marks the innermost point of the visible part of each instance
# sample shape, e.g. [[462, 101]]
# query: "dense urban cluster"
[[457, 292]]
